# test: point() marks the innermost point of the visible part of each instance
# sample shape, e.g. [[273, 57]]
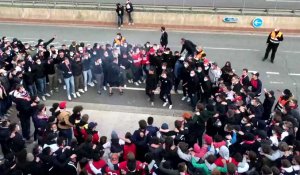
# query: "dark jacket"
[[151, 82], [113, 73], [120, 10], [193, 85], [39, 70], [129, 7], [77, 68], [164, 39], [16, 144], [165, 85], [97, 69], [189, 46], [66, 70], [268, 104]]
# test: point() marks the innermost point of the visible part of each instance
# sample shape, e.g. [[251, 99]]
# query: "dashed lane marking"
[[294, 74], [272, 73]]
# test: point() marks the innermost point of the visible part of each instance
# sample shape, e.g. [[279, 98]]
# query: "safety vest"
[[119, 42], [200, 55], [274, 36]]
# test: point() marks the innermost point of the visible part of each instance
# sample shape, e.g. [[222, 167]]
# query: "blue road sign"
[[230, 20], [257, 22]]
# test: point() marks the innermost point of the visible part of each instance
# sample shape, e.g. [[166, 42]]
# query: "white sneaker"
[[136, 83], [65, 87], [104, 88], [139, 82], [47, 95], [183, 98], [74, 95], [81, 90], [78, 94], [95, 82], [69, 97], [43, 98], [85, 89], [152, 103], [59, 81], [51, 92], [170, 107], [125, 86], [188, 99], [91, 84], [119, 28], [165, 104]]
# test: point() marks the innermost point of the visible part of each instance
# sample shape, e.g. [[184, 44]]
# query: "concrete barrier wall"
[[147, 18]]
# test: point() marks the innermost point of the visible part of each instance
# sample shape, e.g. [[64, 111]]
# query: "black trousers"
[[272, 47], [167, 94], [25, 125], [150, 94]]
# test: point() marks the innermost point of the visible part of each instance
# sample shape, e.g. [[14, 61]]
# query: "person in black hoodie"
[[77, 73], [268, 104], [114, 77], [165, 90], [120, 13], [15, 141], [193, 88], [29, 77], [189, 46], [51, 73], [164, 37], [4, 136], [129, 10], [40, 75], [66, 69], [151, 85], [97, 70]]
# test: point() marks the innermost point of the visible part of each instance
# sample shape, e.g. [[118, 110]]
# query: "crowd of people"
[[233, 128]]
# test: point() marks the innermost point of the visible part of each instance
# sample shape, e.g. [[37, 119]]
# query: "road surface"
[[244, 51]]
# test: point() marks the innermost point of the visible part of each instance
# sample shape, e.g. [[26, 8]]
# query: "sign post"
[[257, 22]]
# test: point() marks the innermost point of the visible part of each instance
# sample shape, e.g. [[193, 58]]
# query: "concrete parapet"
[[147, 18]]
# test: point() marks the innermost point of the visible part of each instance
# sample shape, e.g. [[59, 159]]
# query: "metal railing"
[[100, 5]]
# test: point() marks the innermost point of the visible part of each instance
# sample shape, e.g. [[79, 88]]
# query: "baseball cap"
[[63, 105], [92, 125]]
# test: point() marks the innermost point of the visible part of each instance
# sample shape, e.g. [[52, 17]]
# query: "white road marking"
[[273, 73], [143, 89], [214, 32], [288, 51], [294, 74], [282, 1], [276, 82], [208, 47], [252, 71], [235, 49]]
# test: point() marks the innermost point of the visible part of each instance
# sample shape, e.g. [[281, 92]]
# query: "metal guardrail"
[[63, 4]]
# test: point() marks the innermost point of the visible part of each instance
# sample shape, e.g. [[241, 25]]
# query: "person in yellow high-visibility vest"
[[273, 41], [119, 40]]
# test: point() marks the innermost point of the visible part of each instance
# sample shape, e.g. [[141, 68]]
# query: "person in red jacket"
[[224, 155], [113, 165], [137, 66], [129, 146], [132, 165], [92, 131], [97, 165]]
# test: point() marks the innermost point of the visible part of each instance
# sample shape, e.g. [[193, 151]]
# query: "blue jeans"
[[41, 86], [120, 20], [87, 76], [67, 134], [70, 85], [32, 89]]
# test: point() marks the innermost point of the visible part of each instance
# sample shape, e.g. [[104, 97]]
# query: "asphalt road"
[[269, 4], [244, 51]]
